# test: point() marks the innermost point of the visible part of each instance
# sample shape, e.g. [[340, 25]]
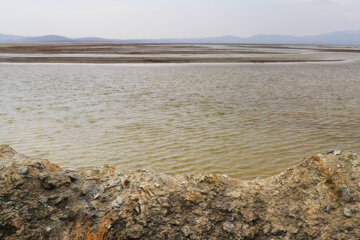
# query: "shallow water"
[[243, 120]]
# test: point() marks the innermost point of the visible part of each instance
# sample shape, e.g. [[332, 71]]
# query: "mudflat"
[[170, 53]]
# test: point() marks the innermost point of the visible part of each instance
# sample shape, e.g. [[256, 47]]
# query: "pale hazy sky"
[[176, 18]]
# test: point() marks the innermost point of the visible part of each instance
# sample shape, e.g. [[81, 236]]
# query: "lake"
[[244, 120]]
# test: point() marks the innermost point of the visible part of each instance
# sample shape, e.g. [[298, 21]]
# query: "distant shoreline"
[[167, 53], [149, 60]]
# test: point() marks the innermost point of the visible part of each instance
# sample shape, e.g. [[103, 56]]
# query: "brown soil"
[[317, 199]]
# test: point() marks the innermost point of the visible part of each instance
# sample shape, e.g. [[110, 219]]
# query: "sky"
[[134, 19]]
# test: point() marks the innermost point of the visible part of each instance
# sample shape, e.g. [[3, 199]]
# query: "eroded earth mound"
[[317, 199]]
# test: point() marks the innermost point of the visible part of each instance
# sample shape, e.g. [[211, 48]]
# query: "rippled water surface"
[[244, 120]]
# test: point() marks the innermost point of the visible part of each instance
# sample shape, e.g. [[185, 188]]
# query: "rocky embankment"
[[317, 199]]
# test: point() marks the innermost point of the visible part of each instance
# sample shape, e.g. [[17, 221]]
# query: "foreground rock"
[[318, 199]]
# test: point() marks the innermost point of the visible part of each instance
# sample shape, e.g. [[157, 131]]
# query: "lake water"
[[243, 120]]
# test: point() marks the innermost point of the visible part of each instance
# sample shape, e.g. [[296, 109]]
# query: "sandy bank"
[[317, 199]]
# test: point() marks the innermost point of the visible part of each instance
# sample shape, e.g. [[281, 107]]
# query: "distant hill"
[[48, 38], [5, 38], [334, 38]]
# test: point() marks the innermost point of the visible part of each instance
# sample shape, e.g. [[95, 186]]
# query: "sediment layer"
[[317, 199]]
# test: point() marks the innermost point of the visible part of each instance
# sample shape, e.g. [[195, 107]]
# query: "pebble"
[[43, 200], [116, 183], [47, 182], [61, 200], [123, 182], [345, 193], [117, 202], [228, 226], [72, 177], [53, 197], [328, 208], [137, 209], [225, 176], [347, 212], [337, 152], [88, 188], [97, 196], [144, 185], [158, 185], [38, 165], [43, 176], [338, 165], [150, 193], [258, 178], [186, 231], [24, 170]]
